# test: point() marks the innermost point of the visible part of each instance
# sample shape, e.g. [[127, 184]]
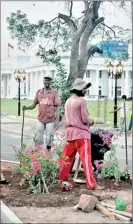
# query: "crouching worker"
[[78, 135], [48, 102]]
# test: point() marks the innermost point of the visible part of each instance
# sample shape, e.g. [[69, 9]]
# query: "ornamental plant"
[[38, 167], [58, 143], [110, 167]]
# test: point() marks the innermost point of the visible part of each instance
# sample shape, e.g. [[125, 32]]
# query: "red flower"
[[36, 165], [66, 186]]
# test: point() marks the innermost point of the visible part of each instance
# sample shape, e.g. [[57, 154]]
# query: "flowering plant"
[[110, 167], [66, 186], [38, 167], [125, 173], [58, 143]]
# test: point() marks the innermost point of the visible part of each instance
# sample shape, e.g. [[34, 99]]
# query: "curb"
[[16, 132], [9, 161], [7, 216]]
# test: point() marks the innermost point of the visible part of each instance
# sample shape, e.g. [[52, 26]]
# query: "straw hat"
[[48, 76], [80, 84]]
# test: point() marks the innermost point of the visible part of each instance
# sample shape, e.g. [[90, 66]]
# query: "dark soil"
[[13, 194]]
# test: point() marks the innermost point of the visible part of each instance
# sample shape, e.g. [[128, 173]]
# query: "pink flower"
[[47, 153], [27, 174], [36, 165]]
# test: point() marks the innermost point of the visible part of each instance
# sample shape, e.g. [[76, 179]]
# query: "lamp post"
[[19, 76], [115, 72]]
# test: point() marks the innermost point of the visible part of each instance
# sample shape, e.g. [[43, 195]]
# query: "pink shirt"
[[77, 119], [47, 101]]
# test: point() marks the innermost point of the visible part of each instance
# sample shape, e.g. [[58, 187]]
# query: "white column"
[[31, 85], [42, 77], [36, 81], [27, 86], [97, 82], [127, 83], [113, 88], [110, 88]]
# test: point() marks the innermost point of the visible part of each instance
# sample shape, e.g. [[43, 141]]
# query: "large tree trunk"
[[80, 53]]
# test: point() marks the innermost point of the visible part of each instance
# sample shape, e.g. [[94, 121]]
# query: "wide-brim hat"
[[48, 76], [80, 84]]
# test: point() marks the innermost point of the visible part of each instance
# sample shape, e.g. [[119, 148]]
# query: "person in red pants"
[[77, 123]]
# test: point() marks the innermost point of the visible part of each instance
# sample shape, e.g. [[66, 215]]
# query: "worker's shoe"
[[48, 147], [99, 187], [96, 188]]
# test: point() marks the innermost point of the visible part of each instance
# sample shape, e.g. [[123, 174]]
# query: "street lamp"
[[20, 77], [115, 72]]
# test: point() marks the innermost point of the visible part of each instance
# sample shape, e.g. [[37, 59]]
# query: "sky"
[[47, 10]]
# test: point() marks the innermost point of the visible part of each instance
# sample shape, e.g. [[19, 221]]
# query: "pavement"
[[11, 127]]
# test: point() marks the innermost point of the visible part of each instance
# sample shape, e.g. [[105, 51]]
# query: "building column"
[[110, 88], [97, 82], [113, 80], [36, 81], [31, 85], [127, 84]]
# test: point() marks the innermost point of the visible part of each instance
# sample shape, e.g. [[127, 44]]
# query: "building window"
[[1, 90], [131, 75], [118, 91], [100, 74], [87, 73], [2, 78], [87, 92], [24, 87], [100, 91], [9, 77]]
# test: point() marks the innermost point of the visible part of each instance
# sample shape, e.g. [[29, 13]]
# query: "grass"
[[11, 106]]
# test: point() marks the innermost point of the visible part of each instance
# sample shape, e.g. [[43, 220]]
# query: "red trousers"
[[83, 147]]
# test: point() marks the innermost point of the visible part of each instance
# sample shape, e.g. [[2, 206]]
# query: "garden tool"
[[125, 133], [22, 132]]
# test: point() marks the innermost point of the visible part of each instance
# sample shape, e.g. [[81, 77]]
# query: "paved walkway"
[[13, 125]]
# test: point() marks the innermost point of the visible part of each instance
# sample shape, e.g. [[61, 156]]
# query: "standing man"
[[48, 101], [77, 133]]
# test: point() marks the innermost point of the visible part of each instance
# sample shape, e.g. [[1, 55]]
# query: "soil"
[[13, 194], [57, 206]]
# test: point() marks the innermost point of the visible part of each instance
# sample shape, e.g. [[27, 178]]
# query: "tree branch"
[[93, 50], [86, 5], [109, 28], [69, 22], [52, 20], [71, 7], [91, 24]]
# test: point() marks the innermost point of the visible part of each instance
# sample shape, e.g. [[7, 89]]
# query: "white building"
[[96, 74]]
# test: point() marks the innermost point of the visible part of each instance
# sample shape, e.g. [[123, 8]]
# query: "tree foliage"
[[65, 33]]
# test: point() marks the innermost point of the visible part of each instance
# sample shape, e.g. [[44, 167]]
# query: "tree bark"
[[79, 52]]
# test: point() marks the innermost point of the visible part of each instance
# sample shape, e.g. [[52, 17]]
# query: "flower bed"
[[36, 180]]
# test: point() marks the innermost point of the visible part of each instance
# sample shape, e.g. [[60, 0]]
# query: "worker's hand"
[[24, 108], [91, 122]]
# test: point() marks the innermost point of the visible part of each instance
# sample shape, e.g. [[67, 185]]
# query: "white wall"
[[35, 74]]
